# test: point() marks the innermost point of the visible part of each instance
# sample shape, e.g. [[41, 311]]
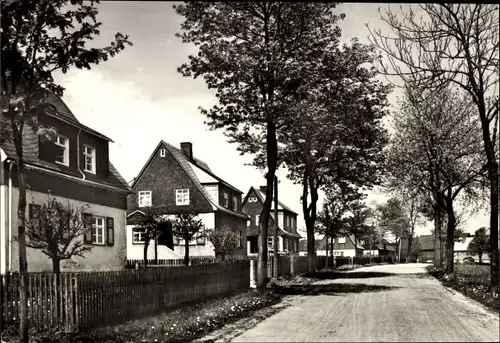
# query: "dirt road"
[[379, 304]]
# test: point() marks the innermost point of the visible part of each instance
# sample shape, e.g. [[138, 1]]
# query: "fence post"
[[292, 271]]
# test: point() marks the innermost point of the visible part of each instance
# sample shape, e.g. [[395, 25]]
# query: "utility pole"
[[275, 237]]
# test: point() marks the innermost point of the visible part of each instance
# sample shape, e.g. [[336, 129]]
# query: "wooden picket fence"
[[81, 301], [130, 264]]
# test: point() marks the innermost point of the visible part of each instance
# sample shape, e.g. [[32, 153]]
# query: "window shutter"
[[87, 222], [110, 230]]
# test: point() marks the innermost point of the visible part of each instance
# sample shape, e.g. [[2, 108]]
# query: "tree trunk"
[[275, 233], [355, 247], [326, 251], [309, 217], [331, 246], [223, 257], [156, 251], [146, 244], [56, 265], [480, 257], [450, 233], [186, 252], [21, 231], [437, 236], [410, 241]]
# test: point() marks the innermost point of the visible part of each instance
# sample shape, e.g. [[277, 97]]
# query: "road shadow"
[[325, 275], [330, 289]]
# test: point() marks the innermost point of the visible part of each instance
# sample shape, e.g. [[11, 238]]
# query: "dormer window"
[[235, 204], [226, 200], [62, 156], [89, 159], [252, 199], [162, 152]]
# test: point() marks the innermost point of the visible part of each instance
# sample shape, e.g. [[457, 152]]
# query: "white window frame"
[[141, 201], [270, 242], [98, 231], [235, 203], [257, 217], [138, 236], [66, 149], [252, 199], [91, 155], [163, 152], [182, 197], [226, 200], [341, 240]]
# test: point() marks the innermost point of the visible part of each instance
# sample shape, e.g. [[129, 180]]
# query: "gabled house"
[[343, 246], [288, 238], [174, 180], [381, 249], [73, 165]]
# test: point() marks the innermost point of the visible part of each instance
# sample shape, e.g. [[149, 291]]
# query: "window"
[[235, 203], [89, 159], [362, 242], [145, 198], [98, 230], [295, 245], [252, 199], [226, 200], [270, 243], [341, 240], [182, 197], [248, 223], [34, 211], [281, 223], [138, 235], [162, 152], [63, 150], [257, 217], [285, 244]]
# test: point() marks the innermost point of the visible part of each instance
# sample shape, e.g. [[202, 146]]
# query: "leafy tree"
[[336, 143], [335, 206], [58, 230], [480, 244], [416, 248], [394, 219], [357, 221], [152, 224], [186, 227], [256, 55], [436, 152], [225, 240], [440, 44], [38, 38]]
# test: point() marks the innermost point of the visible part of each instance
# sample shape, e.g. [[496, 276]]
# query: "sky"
[[138, 98]]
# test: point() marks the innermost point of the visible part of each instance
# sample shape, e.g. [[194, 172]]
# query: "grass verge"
[[471, 288], [181, 325]]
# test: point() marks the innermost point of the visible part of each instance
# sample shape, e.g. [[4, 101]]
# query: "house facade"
[[173, 180], [288, 238], [342, 246], [73, 166]]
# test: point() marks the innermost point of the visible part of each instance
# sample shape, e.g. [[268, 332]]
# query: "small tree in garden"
[[224, 240], [152, 225], [58, 230], [185, 226], [416, 248], [480, 244]]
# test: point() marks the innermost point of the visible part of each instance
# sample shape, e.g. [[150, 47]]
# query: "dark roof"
[[261, 198], [184, 163], [30, 146]]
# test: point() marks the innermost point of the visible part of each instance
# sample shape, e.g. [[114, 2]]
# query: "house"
[[343, 246], [380, 249], [174, 180], [73, 165], [288, 238], [426, 248]]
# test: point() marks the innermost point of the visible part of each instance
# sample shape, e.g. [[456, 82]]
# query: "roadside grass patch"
[[470, 280], [184, 324]]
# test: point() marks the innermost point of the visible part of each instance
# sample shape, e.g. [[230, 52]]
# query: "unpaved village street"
[[390, 308]]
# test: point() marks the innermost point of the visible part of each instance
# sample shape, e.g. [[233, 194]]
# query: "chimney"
[[187, 149]]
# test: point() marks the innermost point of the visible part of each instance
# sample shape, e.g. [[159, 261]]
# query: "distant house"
[[426, 248], [173, 180], [381, 249], [73, 165], [288, 238], [343, 245]]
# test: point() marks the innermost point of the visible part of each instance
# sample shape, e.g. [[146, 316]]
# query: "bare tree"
[[225, 240], [58, 230], [152, 225], [438, 44]]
